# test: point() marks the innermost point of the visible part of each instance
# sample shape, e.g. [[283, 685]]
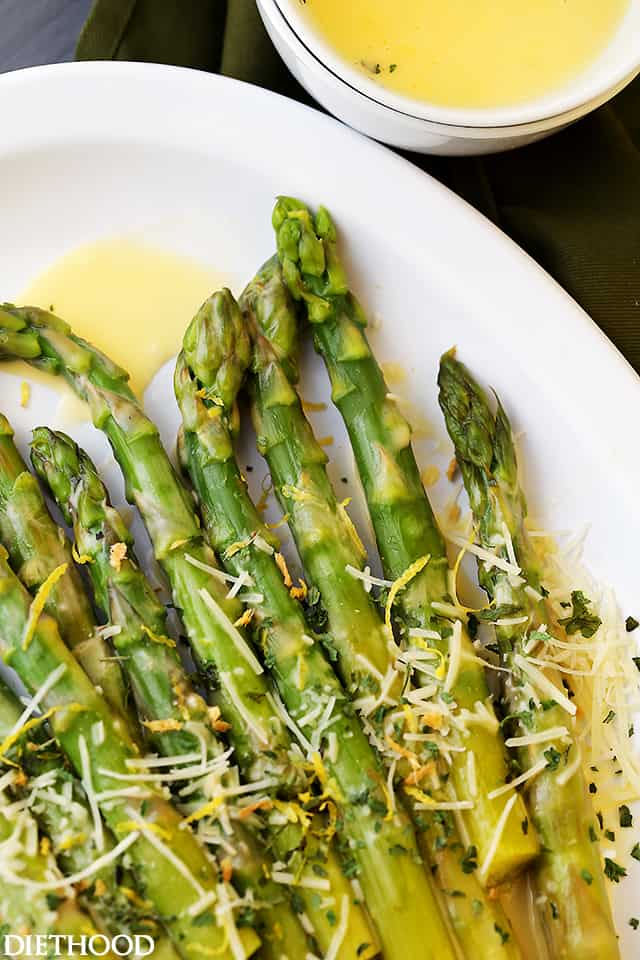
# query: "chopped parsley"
[[504, 936], [634, 923], [553, 758], [635, 853], [582, 620], [469, 862], [586, 876], [613, 871], [626, 819], [631, 624]]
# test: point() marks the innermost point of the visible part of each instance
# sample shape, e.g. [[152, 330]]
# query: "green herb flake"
[[397, 849], [587, 877], [631, 624], [610, 716], [613, 871], [553, 758], [634, 923], [469, 862], [626, 819], [504, 936], [635, 853], [582, 620]]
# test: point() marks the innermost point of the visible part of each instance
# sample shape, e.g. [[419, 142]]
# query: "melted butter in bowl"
[[130, 300], [467, 53]]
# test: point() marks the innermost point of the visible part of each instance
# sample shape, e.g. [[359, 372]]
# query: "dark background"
[[39, 31]]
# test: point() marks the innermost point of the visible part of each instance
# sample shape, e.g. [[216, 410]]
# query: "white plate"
[[193, 162]]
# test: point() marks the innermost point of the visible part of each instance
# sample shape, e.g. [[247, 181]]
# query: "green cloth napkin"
[[572, 201]]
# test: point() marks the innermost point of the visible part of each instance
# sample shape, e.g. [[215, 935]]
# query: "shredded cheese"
[[341, 930], [483, 872], [366, 577], [87, 783], [553, 733], [232, 632], [533, 771], [455, 655], [544, 685]]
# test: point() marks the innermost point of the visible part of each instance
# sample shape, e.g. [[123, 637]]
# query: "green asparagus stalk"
[[366, 654], [37, 547], [261, 740], [164, 504], [177, 718], [376, 830], [146, 825], [569, 877], [402, 518], [40, 774]]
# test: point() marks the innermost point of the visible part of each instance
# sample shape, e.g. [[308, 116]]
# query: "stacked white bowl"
[[351, 96]]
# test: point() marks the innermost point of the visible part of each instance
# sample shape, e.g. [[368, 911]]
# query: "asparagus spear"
[[402, 517], [40, 775], [365, 655], [147, 826], [37, 547], [375, 829], [570, 882], [176, 717], [261, 741]]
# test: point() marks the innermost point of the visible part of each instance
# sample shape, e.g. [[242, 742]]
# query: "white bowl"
[[427, 128]]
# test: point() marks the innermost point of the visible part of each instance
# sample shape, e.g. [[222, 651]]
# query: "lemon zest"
[[299, 593], [39, 601], [9, 741], [284, 570], [417, 794], [158, 637], [246, 618], [279, 523], [410, 718], [351, 530], [129, 826], [403, 751], [71, 842], [117, 553], [80, 558], [162, 726], [204, 811], [412, 571], [440, 670]]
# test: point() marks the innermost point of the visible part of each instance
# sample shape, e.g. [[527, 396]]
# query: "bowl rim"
[[520, 116]]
